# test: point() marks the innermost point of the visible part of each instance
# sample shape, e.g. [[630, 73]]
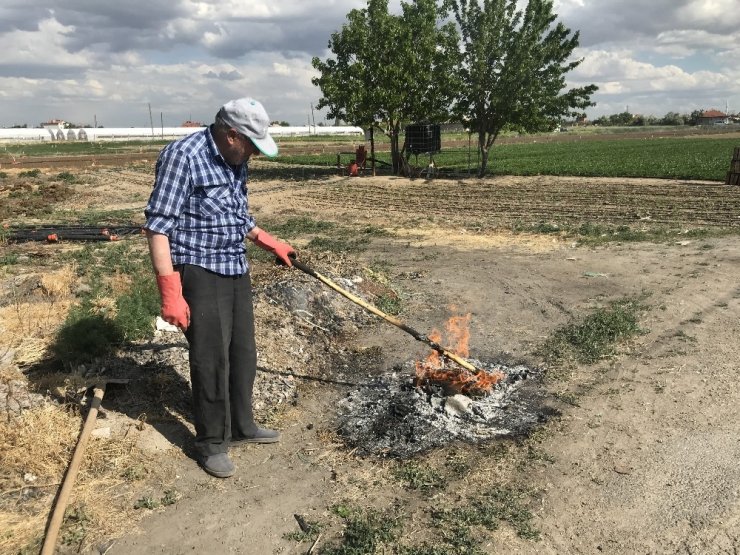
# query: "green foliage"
[[495, 505], [338, 244], [85, 336], [90, 331], [301, 225], [390, 303], [514, 68], [8, 259], [596, 234], [679, 158], [137, 307], [75, 525], [309, 531], [30, 173], [383, 74], [364, 532], [47, 148], [417, 476], [146, 502], [596, 336], [3, 175], [67, 176]]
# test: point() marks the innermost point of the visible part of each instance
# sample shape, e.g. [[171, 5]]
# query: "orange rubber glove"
[[278, 248], [174, 308]]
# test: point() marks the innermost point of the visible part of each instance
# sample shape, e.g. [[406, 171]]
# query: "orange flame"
[[433, 370]]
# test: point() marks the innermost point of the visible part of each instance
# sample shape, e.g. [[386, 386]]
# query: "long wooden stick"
[[57, 516], [387, 317]]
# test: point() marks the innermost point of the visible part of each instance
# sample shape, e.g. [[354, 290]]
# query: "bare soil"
[[642, 457]]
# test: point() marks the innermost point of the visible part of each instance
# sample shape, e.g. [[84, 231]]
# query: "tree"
[[513, 70], [389, 70], [672, 118], [695, 117], [622, 119]]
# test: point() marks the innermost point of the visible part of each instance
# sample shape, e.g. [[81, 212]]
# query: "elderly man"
[[197, 219]]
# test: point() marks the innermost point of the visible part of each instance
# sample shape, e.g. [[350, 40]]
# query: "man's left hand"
[[278, 248]]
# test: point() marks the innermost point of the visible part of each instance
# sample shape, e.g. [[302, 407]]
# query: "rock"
[[161, 325], [82, 289], [457, 405]]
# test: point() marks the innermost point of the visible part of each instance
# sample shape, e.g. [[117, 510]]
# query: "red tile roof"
[[713, 114]]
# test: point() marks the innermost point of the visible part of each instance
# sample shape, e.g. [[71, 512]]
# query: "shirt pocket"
[[210, 199]]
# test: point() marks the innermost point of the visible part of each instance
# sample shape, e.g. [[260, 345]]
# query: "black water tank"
[[422, 138]]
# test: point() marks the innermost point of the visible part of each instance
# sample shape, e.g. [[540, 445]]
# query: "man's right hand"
[[174, 308]]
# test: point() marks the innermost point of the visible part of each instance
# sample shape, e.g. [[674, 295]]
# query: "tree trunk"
[[395, 152], [483, 146]]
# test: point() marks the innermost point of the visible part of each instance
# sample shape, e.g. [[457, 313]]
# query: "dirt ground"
[[643, 455]]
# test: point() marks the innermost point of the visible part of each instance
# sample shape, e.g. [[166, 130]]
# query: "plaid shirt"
[[200, 202]]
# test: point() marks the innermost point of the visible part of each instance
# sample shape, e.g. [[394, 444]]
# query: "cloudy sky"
[[108, 61]]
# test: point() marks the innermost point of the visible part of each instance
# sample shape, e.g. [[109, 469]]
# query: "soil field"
[[541, 199], [635, 453]]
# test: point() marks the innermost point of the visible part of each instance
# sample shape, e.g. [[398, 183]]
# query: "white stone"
[[457, 405], [165, 326]]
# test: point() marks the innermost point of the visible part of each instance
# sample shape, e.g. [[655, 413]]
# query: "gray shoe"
[[218, 465], [262, 435]]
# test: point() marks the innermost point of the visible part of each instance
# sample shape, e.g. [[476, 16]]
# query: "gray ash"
[[389, 416]]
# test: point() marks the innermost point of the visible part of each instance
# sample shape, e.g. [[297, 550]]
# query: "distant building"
[[710, 117], [192, 124], [54, 124]]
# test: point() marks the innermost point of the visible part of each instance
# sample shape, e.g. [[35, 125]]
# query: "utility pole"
[[313, 118], [151, 121], [161, 122]]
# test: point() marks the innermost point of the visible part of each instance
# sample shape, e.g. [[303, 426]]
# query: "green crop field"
[[677, 158]]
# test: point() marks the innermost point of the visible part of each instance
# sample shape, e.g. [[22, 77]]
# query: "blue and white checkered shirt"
[[200, 202]]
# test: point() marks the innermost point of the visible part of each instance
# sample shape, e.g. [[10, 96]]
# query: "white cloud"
[[83, 58]]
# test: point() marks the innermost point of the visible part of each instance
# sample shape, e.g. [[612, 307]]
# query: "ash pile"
[[395, 416]]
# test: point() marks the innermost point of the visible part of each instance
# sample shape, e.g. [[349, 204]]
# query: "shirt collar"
[[212, 144]]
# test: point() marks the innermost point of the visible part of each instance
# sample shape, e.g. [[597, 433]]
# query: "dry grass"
[[36, 449], [29, 322], [37, 445]]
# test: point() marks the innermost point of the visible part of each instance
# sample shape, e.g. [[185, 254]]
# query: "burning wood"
[[435, 371]]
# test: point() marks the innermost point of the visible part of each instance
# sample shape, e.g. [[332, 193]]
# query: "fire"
[[455, 379]]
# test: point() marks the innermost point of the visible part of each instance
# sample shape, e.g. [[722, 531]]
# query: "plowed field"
[[507, 201]]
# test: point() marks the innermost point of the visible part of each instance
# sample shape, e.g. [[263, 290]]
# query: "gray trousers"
[[223, 356]]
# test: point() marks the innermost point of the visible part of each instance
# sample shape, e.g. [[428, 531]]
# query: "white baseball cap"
[[249, 118]]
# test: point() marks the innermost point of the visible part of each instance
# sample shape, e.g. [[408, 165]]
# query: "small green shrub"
[[364, 533], [85, 336], [596, 336], [30, 173], [419, 477], [67, 176]]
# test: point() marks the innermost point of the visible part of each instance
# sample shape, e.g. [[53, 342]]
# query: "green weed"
[[298, 226], [68, 177], [596, 336], [74, 526], [421, 477], [146, 502], [170, 497], [365, 531], [30, 173], [8, 259], [338, 244], [89, 331], [309, 531], [390, 303]]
